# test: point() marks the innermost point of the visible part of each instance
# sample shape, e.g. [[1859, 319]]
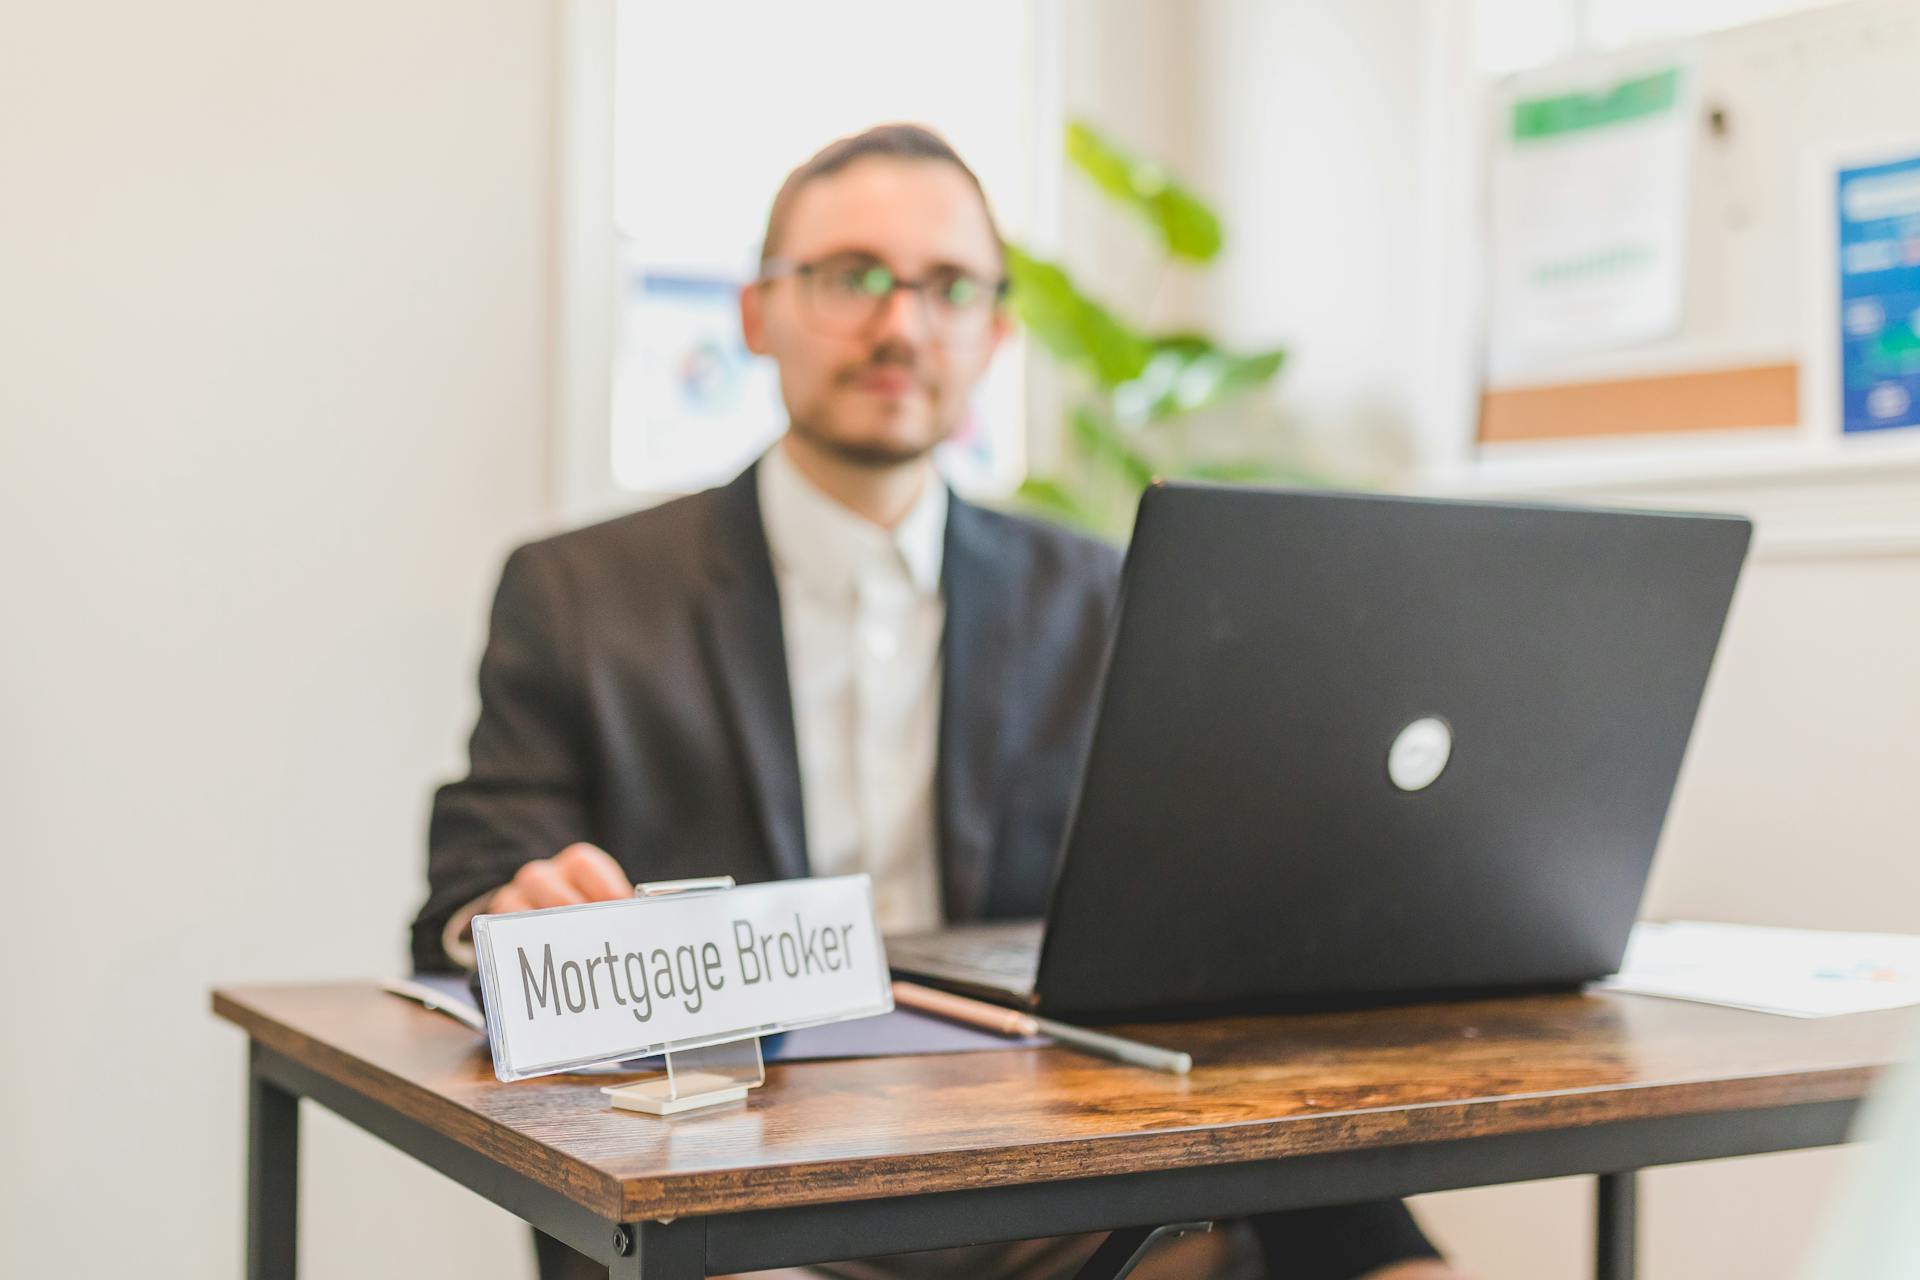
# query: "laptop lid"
[[1357, 746]]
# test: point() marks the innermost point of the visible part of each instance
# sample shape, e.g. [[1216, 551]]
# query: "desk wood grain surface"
[[1262, 1087]]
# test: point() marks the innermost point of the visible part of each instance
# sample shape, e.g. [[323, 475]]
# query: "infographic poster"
[[1878, 220]]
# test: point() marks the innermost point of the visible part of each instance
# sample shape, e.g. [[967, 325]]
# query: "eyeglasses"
[[844, 293]]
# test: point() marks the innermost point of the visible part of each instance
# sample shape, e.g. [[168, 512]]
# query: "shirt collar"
[[812, 536]]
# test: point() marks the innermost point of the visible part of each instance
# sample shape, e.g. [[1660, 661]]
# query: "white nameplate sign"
[[576, 986]]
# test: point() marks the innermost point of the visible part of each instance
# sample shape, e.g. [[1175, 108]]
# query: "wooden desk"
[[846, 1159]]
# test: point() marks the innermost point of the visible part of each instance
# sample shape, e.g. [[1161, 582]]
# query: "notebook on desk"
[[1360, 748]]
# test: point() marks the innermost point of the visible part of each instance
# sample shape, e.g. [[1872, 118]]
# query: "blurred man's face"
[[873, 377]]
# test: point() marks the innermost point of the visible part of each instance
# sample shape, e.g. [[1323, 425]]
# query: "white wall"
[[1306, 137], [273, 403]]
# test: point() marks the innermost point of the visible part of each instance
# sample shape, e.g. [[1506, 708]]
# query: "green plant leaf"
[[1186, 225], [1141, 380], [1044, 495], [1104, 443], [1186, 372], [1071, 325]]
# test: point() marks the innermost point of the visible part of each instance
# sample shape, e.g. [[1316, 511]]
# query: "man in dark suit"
[[830, 664]]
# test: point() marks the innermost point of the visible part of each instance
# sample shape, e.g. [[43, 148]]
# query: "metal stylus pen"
[[1012, 1022]]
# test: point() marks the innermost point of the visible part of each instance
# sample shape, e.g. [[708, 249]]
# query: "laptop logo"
[[1420, 753]]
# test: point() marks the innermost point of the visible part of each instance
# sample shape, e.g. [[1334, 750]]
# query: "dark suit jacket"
[[634, 693]]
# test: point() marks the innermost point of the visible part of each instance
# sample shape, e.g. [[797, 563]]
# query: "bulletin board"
[[1773, 110]]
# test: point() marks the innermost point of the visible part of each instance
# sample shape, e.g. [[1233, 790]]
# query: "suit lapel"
[[741, 628], [980, 580]]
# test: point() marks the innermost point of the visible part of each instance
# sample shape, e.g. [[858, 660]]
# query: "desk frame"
[[759, 1239]]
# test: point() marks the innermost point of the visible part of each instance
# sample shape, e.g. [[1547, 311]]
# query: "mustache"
[[887, 356]]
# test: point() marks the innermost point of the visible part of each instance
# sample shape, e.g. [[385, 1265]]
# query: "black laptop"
[[1358, 748]]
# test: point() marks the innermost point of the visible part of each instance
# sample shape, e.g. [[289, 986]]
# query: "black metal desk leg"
[[1124, 1249], [660, 1250], [1617, 1209], [273, 1175]]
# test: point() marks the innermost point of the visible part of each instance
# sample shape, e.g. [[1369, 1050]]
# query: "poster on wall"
[[1590, 174], [691, 405], [1878, 223]]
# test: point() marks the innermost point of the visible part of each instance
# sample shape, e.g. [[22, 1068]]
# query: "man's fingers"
[[507, 899], [544, 886], [578, 873], [593, 873]]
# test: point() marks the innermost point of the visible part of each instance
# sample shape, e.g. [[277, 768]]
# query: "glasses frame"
[[807, 272]]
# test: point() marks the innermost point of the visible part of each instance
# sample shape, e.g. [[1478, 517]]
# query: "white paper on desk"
[[1802, 973]]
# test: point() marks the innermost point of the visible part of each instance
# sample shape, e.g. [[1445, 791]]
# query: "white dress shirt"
[[862, 613]]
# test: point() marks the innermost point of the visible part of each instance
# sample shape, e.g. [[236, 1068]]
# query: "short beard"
[[873, 457]]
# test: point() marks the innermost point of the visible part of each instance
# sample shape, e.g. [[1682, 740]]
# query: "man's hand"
[[578, 873]]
